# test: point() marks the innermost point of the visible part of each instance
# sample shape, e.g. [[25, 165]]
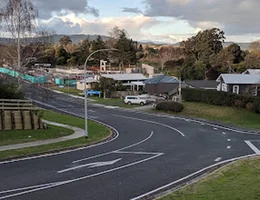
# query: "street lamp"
[[85, 87]]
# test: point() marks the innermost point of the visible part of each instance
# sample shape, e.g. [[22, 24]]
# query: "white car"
[[135, 100]]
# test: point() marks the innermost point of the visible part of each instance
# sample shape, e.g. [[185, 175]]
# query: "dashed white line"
[[190, 176], [218, 159], [215, 128], [228, 147], [223, 133], [229, 140]]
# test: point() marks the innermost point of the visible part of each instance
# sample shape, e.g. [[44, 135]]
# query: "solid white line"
[[67, 151], [110, 152], [192, 120], [26, 188], [57, 184], [218, 159], [253, 147], [137, 153], [191, 175], [228, 147], [152, 122]]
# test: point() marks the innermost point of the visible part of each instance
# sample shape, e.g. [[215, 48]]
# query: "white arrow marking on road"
[[92, 165]]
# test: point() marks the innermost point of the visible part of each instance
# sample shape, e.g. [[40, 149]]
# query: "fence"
[[32, 79], [18, 115]]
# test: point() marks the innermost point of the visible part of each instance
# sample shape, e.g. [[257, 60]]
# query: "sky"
[[167, 21]]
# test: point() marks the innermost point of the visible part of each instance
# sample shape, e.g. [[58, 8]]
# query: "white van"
[[135, 100]]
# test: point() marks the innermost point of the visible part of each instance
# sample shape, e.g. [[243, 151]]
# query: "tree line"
[[204, 57]]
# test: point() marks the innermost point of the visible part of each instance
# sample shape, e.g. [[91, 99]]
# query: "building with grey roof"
[[239, 83]]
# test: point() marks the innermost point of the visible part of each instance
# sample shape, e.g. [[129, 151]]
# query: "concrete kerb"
[[192, 119], [77, 134], [112, 136]]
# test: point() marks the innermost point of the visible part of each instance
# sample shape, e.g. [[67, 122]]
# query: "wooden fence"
[[18, 115]]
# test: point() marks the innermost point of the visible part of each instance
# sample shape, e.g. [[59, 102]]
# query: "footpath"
[[77, 134]]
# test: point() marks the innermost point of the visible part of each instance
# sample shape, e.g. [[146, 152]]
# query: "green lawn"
[[237, 181], [229, 115], [97, 132], [112, 102], [22, 136], [69, 90]]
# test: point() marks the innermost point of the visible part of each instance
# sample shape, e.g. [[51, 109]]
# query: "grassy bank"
[[237, 181], [97, 132], [229, 115], [22, 136]]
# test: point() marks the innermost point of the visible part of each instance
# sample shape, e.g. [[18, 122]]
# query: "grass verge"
[[112, 102], [239, 180], [69, 90], [97, 132], [229, 115], [22, 136]]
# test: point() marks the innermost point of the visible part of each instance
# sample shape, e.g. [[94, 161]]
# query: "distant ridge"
[[76, 38]]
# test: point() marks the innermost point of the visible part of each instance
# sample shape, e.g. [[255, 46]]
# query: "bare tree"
[[18, 20]]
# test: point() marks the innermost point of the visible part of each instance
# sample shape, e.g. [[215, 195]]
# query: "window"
[[255, 90], [236, 89], [224, 87]]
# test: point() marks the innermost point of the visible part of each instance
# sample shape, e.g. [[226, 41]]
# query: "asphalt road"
[[149, 154]]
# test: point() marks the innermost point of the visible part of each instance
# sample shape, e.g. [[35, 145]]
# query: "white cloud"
[[236, 17]]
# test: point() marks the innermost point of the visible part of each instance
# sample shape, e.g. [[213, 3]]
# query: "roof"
[[125, 77], [252, 71], [89, 80], [202, 83], [239, 79], [161, 79]]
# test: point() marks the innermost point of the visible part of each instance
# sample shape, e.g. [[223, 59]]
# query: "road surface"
[[150, 153]]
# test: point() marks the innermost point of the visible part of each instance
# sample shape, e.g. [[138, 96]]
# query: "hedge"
[[169, 106], [218, 98]]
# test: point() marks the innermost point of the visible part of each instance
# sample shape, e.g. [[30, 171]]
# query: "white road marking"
[[91, 165], [25, 188], [253, 147], [111, 107], [191, 120], [228, 147], [152, 122], [137, 153], [57, 184], [229, 140], [223, 133], [110, 152], [91, 111], [215, 128], [218, 159], [67, 151], [190, 176]]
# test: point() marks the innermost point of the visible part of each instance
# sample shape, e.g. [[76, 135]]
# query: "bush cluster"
[[169, 106], [9, 91], [218, 98]]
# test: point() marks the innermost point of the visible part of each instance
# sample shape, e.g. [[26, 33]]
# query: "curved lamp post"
[[85, 87]]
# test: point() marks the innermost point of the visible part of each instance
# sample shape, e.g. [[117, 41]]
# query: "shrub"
[[10, 91], [250, 106], [169, 106], [217, 98]]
